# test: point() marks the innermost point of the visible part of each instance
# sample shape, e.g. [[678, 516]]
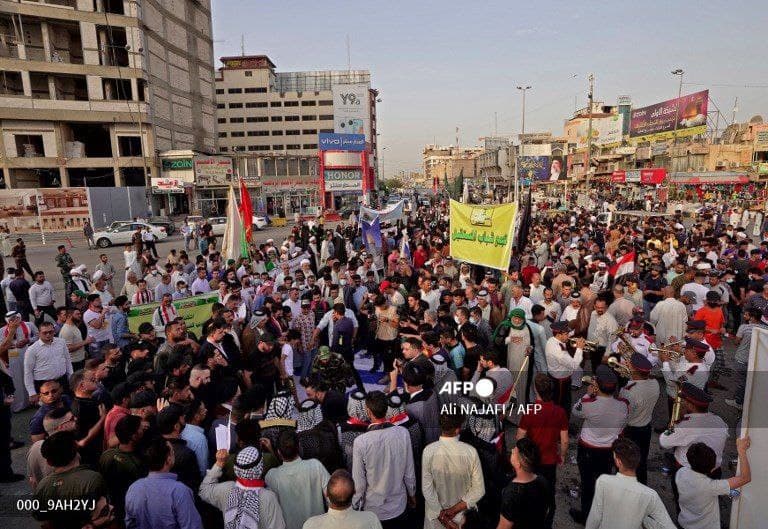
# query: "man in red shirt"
[[121, 396], [548, 429], [419, 257], [527, 272], [714, 320]]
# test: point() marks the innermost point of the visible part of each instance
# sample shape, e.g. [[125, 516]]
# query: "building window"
[[262, 147], [234, 90], [238, 134], [277, 118], [255, 105], [219, 90], [251, 147], [224, 149], [257, 119], [222, 120], [236, 120], [278, 147], [292, 132], [308, 118], [258, 133], [222, 134], [277, 133], [235, 105], [276, 104], [248, 73], [309, 103], [221, 105], [309, 131], [292, 118], [325, 102], [326, 130], [293, 146], [291, 104], [310, 145], [256, 90], [326, 117]]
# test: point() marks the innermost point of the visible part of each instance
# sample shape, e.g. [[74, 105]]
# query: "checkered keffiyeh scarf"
[[482, 427], [242, 510], [310, 415], [281, 407], [395, 406], [356, 406]]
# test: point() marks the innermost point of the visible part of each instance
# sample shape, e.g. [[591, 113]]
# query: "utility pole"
[[679, 72], [735, 109], [523, 89], [495, 123], [242, 45], [590, 97]]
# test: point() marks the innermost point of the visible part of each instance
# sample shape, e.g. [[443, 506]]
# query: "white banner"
[[351, 109], [605, 131], [389, 214]]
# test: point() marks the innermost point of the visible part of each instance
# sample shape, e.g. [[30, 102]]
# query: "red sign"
[[652, 176]]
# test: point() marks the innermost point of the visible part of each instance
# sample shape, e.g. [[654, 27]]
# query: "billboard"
[[343, 180], [606, 131], [558, 169], [328, 141], [213, 170], [658, 121], [533, 167], [167, 185], [351, 109], [46, 209], [482, 234]]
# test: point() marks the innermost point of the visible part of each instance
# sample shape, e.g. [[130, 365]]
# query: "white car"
[[123, 234], [260, 222]]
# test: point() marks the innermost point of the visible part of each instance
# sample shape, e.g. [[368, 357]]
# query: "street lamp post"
[[523, 89], [679, 72], [590, 98]]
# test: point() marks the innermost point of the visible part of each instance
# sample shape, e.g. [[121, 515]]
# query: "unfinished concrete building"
[[92, 90]]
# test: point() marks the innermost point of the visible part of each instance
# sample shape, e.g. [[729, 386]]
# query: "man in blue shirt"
[[120, 332], [159, 500]]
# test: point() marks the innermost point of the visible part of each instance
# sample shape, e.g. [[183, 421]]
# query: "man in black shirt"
[[525, 501]]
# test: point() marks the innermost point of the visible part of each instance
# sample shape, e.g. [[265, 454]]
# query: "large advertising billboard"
[[46, 209], [606, 132], [351, 109], [343, 180], [213, 170], [533, 167], [658, 121], [330, 141]]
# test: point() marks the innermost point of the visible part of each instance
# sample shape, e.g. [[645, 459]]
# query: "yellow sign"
[[482, 235], [195, 311]]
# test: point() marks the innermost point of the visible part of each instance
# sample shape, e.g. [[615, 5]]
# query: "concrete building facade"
[[445, 163], [92, 90]]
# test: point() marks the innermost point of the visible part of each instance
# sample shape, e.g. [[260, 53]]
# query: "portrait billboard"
[[658, 121]]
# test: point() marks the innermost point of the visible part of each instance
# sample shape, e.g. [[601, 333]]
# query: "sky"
[[444, 64]]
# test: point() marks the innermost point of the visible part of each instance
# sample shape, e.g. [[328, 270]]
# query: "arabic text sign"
[[658, 121], [329, 141], [343, 180], [482, 234], [195, 310]]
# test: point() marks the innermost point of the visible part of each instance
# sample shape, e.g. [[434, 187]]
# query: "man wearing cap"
[[697, 424], [696, 329], [601, 279], [605, 416], [698, 288], [562, 365], [638, 339], [642, 393]]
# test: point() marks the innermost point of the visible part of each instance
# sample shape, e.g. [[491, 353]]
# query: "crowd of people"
[[322, 392]]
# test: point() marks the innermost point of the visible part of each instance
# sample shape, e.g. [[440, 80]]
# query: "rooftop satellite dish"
[[756, 119]]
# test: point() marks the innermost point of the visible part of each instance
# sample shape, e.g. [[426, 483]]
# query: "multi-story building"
[[91, 90], [445, 163], [262, 110]]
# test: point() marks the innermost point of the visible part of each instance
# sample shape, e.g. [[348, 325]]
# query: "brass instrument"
[[625, 347], [676, 409], [621, 369], [588, 346], [674, 354]]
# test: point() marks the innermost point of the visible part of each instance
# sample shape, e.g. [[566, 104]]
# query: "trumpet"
[[621, 369], [676, 409], [674, 354], [588, 346]]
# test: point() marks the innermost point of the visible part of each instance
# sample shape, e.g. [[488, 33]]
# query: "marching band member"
[[561, 365], [642, 393]]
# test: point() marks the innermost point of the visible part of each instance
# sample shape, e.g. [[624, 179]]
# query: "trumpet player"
[[639, 341], [689, 368], [605, 416], [560, 364], [697, 425], [642, 393]]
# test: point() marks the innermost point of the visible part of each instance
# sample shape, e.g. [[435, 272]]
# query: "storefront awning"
[[709, 178]]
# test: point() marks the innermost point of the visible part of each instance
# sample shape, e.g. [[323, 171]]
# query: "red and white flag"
[[624, 265]]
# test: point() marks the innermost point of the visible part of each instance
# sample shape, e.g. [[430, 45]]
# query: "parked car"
[[165, 222], [260, 222], [219, 225], [122, 233]]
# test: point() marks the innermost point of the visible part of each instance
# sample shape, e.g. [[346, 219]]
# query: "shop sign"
[[177, 164], [213, 170], [343, 180], [167, 185]]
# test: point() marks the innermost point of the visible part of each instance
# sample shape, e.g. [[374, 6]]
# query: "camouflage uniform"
[[333, 369]]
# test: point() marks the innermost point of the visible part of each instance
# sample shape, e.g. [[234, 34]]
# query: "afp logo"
[[349, 99], [483, 388]]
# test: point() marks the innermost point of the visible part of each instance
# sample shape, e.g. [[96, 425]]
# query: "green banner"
[[195, 310]]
